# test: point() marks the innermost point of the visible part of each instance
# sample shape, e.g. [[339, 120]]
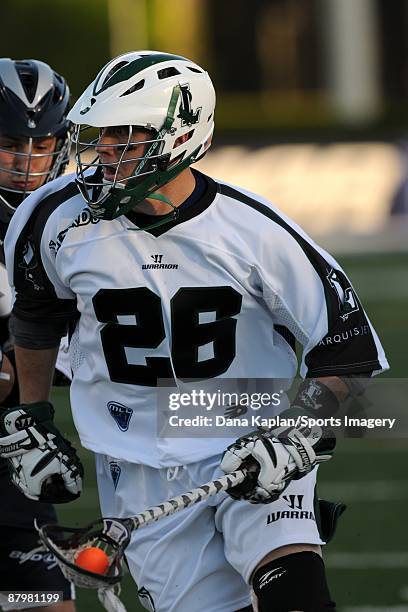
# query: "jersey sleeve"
[[39, 295], [308, 293]]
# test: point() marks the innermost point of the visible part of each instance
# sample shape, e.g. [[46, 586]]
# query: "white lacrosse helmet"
[[168, 95]]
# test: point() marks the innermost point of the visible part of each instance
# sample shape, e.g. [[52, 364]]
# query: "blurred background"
[[312, 96], [313, 114]]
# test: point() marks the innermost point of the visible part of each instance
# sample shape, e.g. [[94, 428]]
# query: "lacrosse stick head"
[[112, 535]]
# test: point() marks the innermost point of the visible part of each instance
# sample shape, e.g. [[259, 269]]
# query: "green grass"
[[371, 476]]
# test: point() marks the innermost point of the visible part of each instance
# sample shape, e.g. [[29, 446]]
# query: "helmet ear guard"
[[166, 94]]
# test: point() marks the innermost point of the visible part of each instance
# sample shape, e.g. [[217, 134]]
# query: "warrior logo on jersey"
[[158, 263], [115, 471], [146, 599], [121, 414], [295, 502], [29, 265], [347, 298]]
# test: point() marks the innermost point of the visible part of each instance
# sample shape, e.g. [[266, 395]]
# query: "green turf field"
[[368, 560]]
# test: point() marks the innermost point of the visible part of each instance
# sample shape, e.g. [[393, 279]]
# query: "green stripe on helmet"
[[137, 66]]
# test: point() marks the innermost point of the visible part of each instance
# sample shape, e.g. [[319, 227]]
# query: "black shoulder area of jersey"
[[36, 223], [35, 293]]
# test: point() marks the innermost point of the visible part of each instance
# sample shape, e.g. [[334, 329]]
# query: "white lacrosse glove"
[[42, 463], [274, 458]]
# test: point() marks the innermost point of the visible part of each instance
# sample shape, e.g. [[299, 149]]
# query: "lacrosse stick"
[[112, 535]]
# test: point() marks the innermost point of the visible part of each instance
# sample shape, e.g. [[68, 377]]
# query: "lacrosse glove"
[[280, 456], [42, 462]]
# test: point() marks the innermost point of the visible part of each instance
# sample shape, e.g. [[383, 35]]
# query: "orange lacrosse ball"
[[93, 560]]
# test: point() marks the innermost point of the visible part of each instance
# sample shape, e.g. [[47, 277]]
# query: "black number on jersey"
[[188, 333]]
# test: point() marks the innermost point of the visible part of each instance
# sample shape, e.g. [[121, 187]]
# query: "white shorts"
[[202, 558]]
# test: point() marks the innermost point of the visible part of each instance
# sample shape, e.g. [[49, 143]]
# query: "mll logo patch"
[[115, 471], [121, 414]]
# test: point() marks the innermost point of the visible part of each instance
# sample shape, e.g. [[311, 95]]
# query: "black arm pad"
[[316, 398]]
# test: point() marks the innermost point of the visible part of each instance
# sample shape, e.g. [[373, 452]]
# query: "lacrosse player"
[[177, 275], [34, 149]]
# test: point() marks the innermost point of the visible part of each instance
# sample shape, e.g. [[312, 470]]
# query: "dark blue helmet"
[[34, 103]]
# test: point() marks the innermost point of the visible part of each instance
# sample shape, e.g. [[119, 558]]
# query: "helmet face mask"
[[164, 105], [34, 130], [23, 169], [121, 162]]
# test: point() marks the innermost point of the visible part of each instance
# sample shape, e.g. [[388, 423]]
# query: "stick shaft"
[[175, 504]]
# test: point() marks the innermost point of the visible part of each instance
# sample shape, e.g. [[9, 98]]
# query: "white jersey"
[[220, 292]]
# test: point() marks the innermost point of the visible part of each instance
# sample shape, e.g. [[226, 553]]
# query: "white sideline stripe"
[[368, 560], [363, 491]]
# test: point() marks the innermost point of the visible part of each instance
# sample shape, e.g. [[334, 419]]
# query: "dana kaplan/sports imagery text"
[[278, 421]]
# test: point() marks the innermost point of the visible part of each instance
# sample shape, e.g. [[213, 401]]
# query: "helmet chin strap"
[[172, 216]]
